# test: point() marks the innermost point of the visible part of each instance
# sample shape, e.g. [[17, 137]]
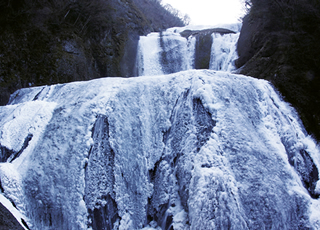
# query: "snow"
[[168, 52], [315, 213], [164, 53], [240, 160], [236, 27], [223, 52], [149, 62], [196, 149], [11, 180], [29, 118]]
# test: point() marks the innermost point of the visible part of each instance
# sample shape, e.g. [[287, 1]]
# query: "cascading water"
[[193, 150], [164, 53], [223, 52], [173, 51]]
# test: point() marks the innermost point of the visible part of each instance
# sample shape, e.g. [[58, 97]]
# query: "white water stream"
[[169, 52]]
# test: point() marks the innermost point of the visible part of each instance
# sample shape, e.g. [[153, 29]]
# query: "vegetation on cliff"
[[57, 41], [279, 41]]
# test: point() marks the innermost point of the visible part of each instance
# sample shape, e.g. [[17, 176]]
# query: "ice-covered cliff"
[[178, 49], [199, 149]]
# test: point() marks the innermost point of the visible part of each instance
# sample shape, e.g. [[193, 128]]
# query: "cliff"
[[279, 42], [48, 42], [198, 149]]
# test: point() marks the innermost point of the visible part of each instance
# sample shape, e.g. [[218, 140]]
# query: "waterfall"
[[195, 150], [149, 55], [223, 52], [173, 51], [164, 53]]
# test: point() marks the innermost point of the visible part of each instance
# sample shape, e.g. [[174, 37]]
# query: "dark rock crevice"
[[5, 153], [99, 179], [25, 224], [309, 173], [188, 114], [105, 216], [38, 94], [204, 122], [305, 167], [24, 146], [203, 51], [1, 187], [10, 155]]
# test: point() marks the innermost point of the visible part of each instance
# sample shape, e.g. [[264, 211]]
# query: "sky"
[[209, 12]]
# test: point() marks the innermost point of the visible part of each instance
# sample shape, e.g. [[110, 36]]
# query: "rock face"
[[191, 150], [7, 220], [279, 42], [100, 178], [43, 43]]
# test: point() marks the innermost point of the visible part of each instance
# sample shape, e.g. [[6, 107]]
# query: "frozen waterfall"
[[175, 50], [193, 150]]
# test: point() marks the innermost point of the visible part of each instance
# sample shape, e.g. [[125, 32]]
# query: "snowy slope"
[[191, 150]]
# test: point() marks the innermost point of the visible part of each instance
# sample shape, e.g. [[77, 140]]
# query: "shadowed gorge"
[[47, 42], [279, 42]]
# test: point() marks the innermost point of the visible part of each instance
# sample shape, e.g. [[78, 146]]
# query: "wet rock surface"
[[278, 42]]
